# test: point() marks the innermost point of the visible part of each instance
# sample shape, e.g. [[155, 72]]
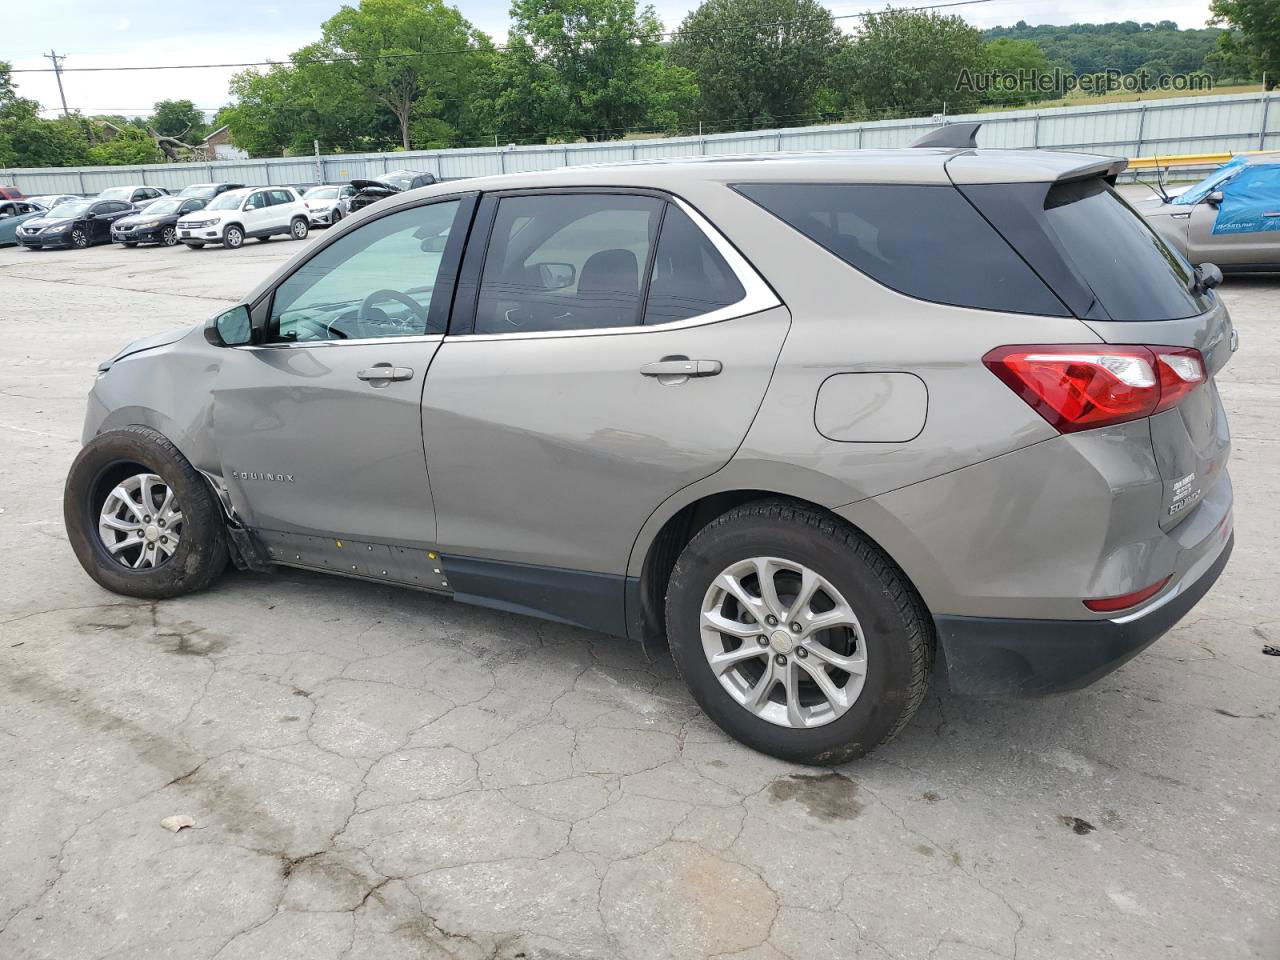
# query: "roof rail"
[[957, 136]]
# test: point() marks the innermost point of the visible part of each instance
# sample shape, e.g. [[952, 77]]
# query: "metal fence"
[[1208, 124]]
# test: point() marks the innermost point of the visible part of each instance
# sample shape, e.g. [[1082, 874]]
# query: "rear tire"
[[124, 488], [886, 640], [299, 228]]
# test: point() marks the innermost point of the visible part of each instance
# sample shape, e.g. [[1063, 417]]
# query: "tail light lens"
[[1083, 386], [1111, 604]]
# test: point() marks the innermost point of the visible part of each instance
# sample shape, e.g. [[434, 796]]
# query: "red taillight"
[[1082, 386], [1110, 604]]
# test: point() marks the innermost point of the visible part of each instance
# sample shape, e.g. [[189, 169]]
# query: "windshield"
[[73, 209], [202, 190], [226, 201], [165, 205], [321, 193], [116, 193], [1214, 181]]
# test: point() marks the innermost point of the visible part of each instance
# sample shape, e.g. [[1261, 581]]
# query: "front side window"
[[256, 202], [377, 281], [923, 240], [561, 262]]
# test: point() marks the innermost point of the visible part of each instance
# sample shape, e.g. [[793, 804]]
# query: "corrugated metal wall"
[[1209, 124]]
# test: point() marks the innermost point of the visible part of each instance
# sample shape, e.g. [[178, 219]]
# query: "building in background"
[[218, 146]]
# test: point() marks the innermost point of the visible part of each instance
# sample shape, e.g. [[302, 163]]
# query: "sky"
[[93, 33]]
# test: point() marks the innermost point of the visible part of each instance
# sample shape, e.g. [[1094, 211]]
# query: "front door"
[[318, 426], [573, 404], [256, 213]]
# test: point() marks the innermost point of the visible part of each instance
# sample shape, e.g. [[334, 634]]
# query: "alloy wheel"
[[140, 523], [234, 237], [783, 642], [79, 238], [299, 229], [169, 236]]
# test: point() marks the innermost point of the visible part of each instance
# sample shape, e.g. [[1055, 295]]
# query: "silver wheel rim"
[[140, 523], [79, 239], [169, 236], [299, 229], [234, 238], [783, 642]]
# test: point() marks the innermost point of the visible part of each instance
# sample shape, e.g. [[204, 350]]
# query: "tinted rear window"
[[1092, 248], [926, 241]]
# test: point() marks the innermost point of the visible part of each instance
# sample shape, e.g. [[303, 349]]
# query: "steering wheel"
[[415, 308]]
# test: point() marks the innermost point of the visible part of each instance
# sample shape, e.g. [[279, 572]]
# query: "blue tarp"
[[1249, 193]]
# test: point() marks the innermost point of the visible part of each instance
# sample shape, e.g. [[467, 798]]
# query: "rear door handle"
[[385, 372], [682, 367]]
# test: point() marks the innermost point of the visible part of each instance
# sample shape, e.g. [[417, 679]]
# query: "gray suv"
[[818, 421]]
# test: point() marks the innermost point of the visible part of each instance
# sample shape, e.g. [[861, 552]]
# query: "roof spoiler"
[[1108, 170], [953, 136]]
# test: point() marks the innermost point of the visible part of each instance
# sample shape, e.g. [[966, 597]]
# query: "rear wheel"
[[140, 518], [796, 634], [233, 237], [298, 229]]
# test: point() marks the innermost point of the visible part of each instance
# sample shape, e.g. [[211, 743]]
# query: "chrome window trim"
[[758, 296], [355, 341]]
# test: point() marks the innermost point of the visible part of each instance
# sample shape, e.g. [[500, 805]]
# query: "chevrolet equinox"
[[816, 420]]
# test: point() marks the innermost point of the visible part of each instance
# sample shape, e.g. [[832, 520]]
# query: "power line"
[[466, 50]]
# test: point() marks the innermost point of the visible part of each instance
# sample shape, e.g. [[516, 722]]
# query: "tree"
[[408, 56], [1256, 35], [757, 61], [910, 62], [1021, 60], [590, 68], [178, 118], [129, 145], [27, 140]]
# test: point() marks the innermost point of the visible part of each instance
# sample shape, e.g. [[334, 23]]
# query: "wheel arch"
[[677, 521]]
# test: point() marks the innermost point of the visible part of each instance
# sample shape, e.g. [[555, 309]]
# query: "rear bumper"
[[989, 657]]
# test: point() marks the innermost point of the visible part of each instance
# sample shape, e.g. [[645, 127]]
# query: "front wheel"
[[796, 634], [168, 236], [298, 229], [335, 217], [141, 520], [79, 238], [233, 237]]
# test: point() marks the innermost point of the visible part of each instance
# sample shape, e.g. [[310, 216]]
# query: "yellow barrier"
[[1187, 160]]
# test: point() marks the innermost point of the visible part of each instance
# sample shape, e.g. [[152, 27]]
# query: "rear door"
[[106, 213], [574, 393]]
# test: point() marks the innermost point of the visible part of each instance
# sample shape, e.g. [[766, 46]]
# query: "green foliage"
[[591, 68], [1097, 47], [27, 140], [908, 62], [129, 145], [758, 61], [1255, 39], [179, 119]]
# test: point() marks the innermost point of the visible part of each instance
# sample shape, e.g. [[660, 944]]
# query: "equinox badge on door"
[[277, 477]]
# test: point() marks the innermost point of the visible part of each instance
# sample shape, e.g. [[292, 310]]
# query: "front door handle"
[[381, 373], [681, 368]]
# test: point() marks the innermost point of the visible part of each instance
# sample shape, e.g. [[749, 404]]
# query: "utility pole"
[[57, 72]]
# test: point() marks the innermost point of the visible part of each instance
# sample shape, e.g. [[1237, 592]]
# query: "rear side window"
[[281, 196], [926, 241], [1092, 248], [690, 277]]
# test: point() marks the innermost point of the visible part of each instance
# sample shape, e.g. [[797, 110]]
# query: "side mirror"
[[557, 276], [1207, 276], [230, 329], [91, 215], [1214, 199]]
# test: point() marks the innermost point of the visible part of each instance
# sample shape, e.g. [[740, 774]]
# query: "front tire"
[[233, 238], [796, 634], [141, 520], [79, 239], [168, 237], [298, 229]]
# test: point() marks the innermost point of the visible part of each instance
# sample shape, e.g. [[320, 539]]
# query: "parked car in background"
[[207, 191], [51, 200], [13, 213], [1231, 218], [10, 193], [327, 203], [81, 223], [157, 223], [133, 195], [388, 185], [232, 217], [817, 419]]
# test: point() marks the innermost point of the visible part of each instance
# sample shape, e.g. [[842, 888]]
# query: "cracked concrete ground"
[[375, 773]]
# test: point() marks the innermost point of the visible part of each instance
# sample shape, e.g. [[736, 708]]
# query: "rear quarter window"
[[923, 240]]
